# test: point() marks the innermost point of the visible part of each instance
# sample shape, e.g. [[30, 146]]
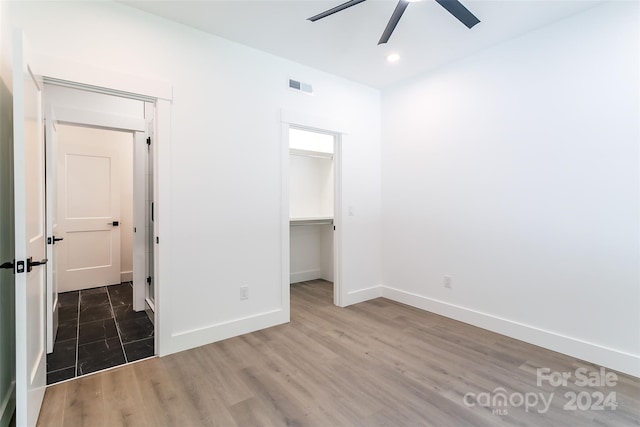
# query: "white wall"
[[310, 187], [225, 161], [307, 253], [304, 246], [311, 248], [326, 252], [7, 282], [125, 150], [516, 172], [84, 100]]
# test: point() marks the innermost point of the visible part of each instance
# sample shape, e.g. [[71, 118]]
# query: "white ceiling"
[[345, 44]]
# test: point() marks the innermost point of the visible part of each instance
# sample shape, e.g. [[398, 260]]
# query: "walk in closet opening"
[[312, 184]]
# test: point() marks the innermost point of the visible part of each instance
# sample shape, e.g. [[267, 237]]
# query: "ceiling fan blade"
[[393, 21], [456, 8], [331, 11]]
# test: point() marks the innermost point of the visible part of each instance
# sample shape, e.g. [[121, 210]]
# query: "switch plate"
[[244, 292], [447, 282]]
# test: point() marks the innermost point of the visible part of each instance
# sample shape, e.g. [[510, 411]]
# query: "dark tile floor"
[[98, 329]]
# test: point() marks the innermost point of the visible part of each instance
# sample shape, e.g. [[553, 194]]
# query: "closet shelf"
[[327, 220]]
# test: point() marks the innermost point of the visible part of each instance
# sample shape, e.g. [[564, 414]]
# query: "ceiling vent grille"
[[300, 86]]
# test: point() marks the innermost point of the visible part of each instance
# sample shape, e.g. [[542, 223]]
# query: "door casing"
[[159, 93]]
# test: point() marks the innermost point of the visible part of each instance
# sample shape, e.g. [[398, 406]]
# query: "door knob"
[[54, 239], [114, 223], [31, 264]]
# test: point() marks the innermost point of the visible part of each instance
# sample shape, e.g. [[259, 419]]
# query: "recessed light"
[[393, 57]]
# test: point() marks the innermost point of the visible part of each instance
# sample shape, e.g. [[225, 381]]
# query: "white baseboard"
[[303, 276], [594, 353], [362, 295], [8, 405], [186, 340], [126, 276], [591, 352]]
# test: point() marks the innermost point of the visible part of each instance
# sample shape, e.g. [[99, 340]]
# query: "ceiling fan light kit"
[[454, 7]]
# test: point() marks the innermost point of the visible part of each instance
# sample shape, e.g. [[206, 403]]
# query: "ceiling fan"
[[454, 7]]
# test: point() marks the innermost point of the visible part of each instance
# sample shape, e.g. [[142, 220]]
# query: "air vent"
[[302, 87]]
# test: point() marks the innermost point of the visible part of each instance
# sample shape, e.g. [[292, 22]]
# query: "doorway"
[[99, 216], [31, 251], [313, 172]]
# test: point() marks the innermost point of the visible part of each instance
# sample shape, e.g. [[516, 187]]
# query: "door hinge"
[[149, 280], [149, 140]]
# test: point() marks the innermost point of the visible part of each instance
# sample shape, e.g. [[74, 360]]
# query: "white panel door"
[[53, 233], [88, 210], [30, 251]]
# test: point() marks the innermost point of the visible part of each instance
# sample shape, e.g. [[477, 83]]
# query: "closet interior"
[[311, 205]]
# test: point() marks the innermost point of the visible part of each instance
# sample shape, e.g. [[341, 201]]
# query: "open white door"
[[30, 251], [140, 274], [150, 288], [143, 283], [53, 239]]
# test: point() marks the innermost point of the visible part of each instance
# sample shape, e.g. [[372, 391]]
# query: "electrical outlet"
[[447, 282], [244, 292]]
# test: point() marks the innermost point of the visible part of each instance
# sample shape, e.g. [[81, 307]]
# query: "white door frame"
[[303, 121], [87, 77]]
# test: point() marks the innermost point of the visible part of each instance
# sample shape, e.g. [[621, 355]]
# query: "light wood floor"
[[377, 363]]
